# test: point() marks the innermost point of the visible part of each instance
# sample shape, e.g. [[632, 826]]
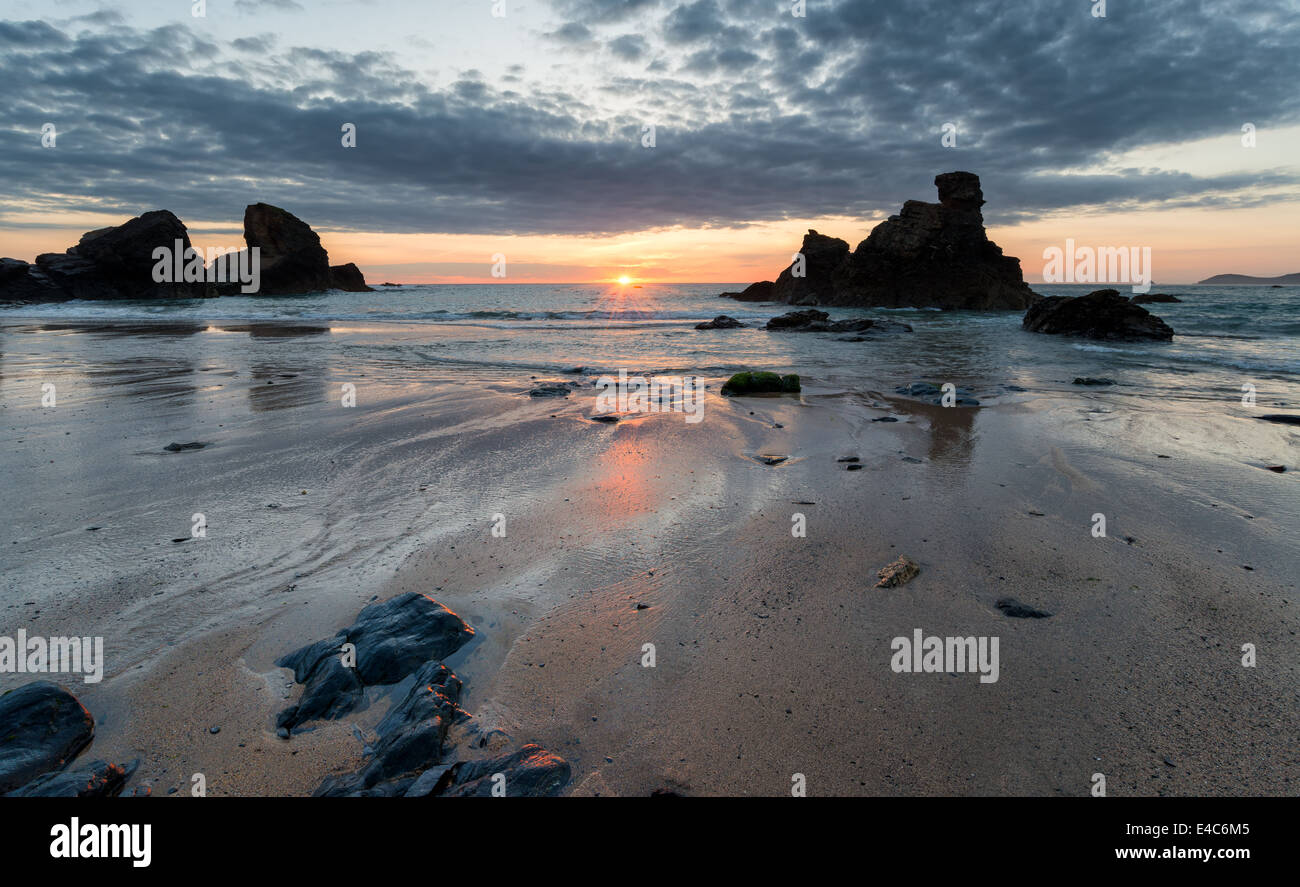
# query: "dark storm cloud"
[[837, 113], [629, 47]]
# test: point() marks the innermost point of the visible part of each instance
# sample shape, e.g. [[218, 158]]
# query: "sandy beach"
[[771, 651]]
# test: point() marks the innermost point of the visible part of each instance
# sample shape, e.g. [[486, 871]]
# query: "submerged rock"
[[931, 393], [1089, 380], [174, 447], [391, 638], [1282, 418], [898, 572], [760, 382], [721, 322], [813, 321], [42, 728], [1103, 314]]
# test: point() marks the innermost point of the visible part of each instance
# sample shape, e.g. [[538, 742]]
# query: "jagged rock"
[[1153, 297], [931, 255], [822, 257], [349, 278], [721, 322], [99, 779], [1103, 314], [293, 261], [411, 735], [392, 639], [42, 728], [897, 572], [530, 772], [755, 292], [107, 263]]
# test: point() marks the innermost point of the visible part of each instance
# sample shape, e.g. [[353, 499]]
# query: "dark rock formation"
[[929, 255], [1090, 380], [108, 263], [755, 292], [1153, 297], [822, 258], [391, 638], [810, 320], [118, 262], [1103, 314], [1282, 418], [411, 735], [421, 740], [530, 772], [348, 278], [760, 383], [99, 779], [42, 728], [721, 322]]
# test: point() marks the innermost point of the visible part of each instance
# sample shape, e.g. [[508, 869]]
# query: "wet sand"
[[771, 652]]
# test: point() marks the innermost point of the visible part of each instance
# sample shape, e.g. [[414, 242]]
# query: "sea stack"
[[930, 255]]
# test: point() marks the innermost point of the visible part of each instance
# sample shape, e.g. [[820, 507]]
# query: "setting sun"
[[624, 280]]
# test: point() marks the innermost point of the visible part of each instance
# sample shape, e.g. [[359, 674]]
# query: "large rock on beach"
[[392, 639], [1103, 314], [42, 728]]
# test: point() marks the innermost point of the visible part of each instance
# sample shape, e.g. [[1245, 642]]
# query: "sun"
[[624, 280]]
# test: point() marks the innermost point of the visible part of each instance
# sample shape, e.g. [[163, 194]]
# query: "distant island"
[[1247, 280]]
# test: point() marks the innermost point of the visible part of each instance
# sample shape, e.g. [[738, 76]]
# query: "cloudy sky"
[[524, 133]]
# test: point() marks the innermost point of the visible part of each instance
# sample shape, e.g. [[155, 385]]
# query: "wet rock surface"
[[42, 728], [1102, 314], [392, 639], [99, 779], [721, 322]]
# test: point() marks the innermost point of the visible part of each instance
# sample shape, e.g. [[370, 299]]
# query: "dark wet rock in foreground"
[[98, 779], [428, 746], [392, 639], [42, 728], [1103, 314], [1148, 298]]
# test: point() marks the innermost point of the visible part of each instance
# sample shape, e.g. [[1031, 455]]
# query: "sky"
[[519, 128]]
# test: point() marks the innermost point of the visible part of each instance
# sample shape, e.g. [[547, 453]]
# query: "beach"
[[771, 651]]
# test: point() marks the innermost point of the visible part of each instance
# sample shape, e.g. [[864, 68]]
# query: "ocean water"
[[1228, 337]]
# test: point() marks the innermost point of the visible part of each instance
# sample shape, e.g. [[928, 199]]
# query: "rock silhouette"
[[930, 255]]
